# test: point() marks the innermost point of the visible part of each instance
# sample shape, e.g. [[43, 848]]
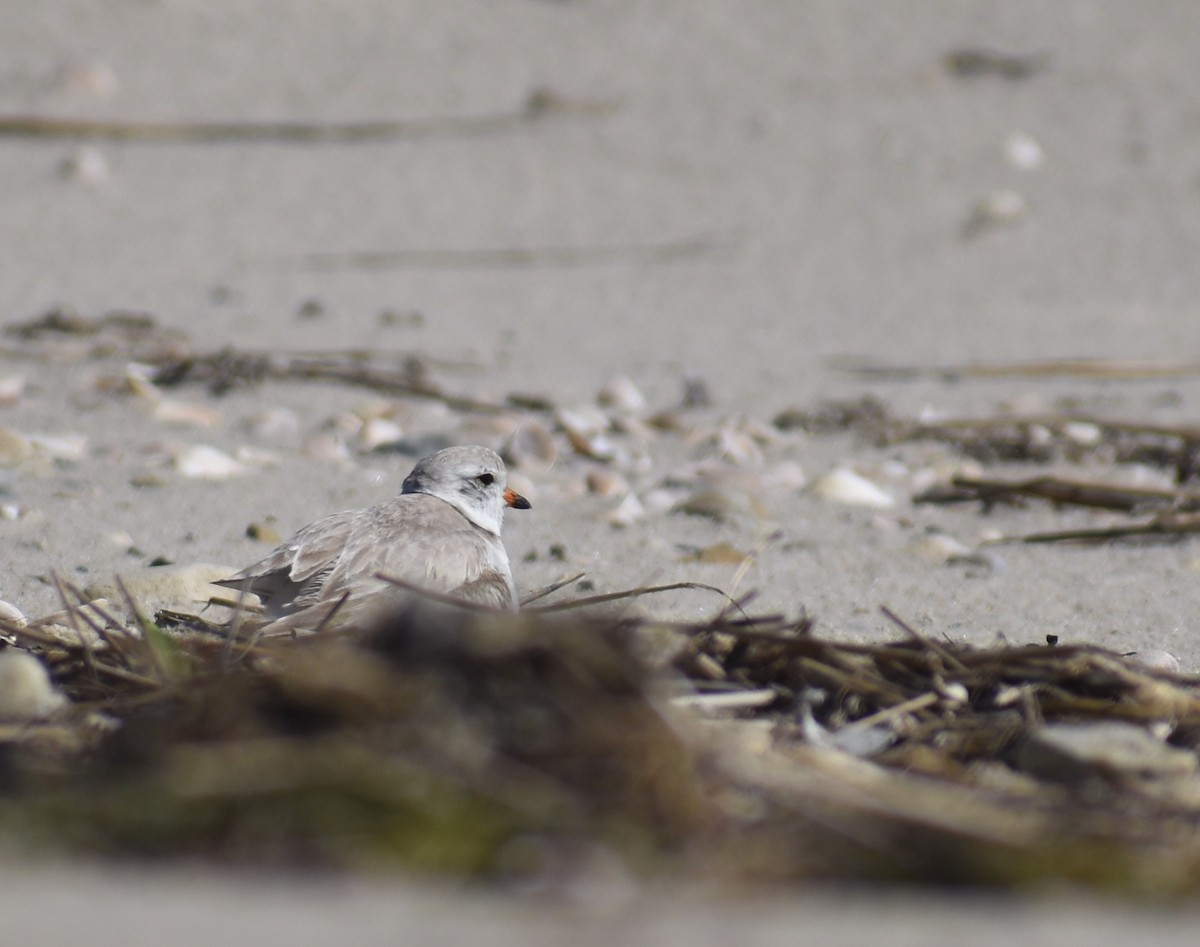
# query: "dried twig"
[[540, 105]]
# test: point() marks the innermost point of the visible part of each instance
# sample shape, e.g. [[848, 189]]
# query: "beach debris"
[[1002, 207], [86, 165], [586, 429], [185, 413], [722, 553], [629, 511], [61, 447], [279, 426], [263, 533], [378, 432], [938, 548], [204, 462], [530, 447], [606, 483], [12, 389], [26, 692], [720, 504], [844, 485], [11, 615], [622, 395], [1023, 151], [1156, 660], [92, 77], [971, 62], [1108, 750], [15, 448]]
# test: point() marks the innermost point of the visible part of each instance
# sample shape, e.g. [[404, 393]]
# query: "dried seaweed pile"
[[496, 746], [1071, 438]]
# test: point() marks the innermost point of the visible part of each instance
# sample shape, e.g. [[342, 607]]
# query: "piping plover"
[[441, 532]]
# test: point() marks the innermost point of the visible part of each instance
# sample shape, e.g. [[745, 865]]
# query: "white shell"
[[1157, 660], [377, 431], [25, 688], [628, 512], [1023, 151], [621, 394], [202, 462], [843, 485], [185, 413]]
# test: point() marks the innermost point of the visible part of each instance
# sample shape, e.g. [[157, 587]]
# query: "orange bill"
[[515, 500]]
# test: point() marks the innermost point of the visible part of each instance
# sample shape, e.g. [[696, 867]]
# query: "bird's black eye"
[[486, 479]]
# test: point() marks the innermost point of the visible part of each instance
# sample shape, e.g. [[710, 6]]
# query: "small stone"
[[25, 689], [263, 533], [937, 548], [1156, 660], [843, 485], [586, 431], [628, 512], [86, 165], [12, 389], [15, 448], [202, 462], [605, 483], [88, 76], [185, 413], [999, 208], [68, 447], [720, 505], [531, 446], [1023, 151], [621, 394], [280, 426], [11, 614], [377, 432]]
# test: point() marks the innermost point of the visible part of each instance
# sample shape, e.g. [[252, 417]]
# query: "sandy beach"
[[728, 200]]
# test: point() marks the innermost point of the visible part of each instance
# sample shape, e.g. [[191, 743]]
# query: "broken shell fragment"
[[25, 689], [843, 485], [621, 394], [586, 432], [202, 462], [531, 446]]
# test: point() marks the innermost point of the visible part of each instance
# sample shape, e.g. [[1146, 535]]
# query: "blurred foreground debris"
[[503, 746]]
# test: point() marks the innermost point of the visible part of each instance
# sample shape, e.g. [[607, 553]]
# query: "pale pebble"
[[69, 447], [252, 456], [377, 432], [621, 394], [1083, 433], [86, 165], [1023, 151], [26, 692], [15, 448], [89, 76], [325, 446], [1156, 660], [628, 512], [203, 462], [12, 389], [531, 446], [185, 413], [11, 614], [278, 425], [843, 485], [606, 483], [936, 548]]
